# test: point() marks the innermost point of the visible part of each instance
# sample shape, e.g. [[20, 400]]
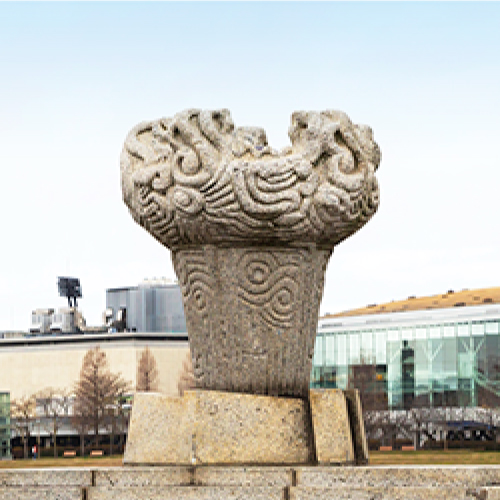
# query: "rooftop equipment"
[[69, 288]]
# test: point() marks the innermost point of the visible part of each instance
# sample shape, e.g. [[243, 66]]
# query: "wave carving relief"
[[195, 178], [270, 287]]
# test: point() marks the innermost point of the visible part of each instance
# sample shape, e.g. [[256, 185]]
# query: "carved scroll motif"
[[195, 178], [270, 287]]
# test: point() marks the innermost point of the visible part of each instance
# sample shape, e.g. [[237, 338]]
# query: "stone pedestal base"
[[211, 427]]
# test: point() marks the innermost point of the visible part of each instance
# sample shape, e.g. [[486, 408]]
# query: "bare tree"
[[80, 421], [54, 407], [186, 376], [116, 420], [96, 391], [147, 372], [23, 411]]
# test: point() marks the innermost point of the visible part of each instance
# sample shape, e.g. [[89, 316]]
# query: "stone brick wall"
[[254, 483]]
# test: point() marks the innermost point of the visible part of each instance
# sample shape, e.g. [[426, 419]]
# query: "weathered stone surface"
[[188, 493], [194, 179], [125, 477], [331, 426], [159, 476], [451, 476], [249, 483], [40, 477], [159, 430], [210, 427], [352, 492], [357, 425], [41, 493], [242, 428], [257, 308], [251, 231], [244, 476]]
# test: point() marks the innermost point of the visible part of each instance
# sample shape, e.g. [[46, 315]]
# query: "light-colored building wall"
[[30, 366]]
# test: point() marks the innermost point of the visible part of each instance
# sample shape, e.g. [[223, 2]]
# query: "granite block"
[[448, 476], [45, 477], [211, 427], [244, 476], [125, 477], [331, 426], [187, 493], [357, 426], [242, 428], [159, 431], [370, 493], [252, 482], [41, 493]]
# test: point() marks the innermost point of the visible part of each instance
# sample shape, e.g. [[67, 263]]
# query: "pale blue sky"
[[75, 78]]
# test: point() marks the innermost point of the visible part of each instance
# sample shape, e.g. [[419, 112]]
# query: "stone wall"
[[252, 483]]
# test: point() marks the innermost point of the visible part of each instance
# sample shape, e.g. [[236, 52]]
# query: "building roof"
[[442, 301], [92, 338], [148, 283]]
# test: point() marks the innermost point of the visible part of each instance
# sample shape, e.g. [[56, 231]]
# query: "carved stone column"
[[251, 314], [251, 231]]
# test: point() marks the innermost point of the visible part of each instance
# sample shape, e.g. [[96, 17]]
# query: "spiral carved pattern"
[[270, 287], [197, 178], [251, 315], [198, 287]]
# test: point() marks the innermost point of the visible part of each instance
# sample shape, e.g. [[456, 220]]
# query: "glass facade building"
[[402, 360], [5, 426]]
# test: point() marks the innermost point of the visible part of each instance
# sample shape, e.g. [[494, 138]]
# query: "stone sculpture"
[[251, 231]]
